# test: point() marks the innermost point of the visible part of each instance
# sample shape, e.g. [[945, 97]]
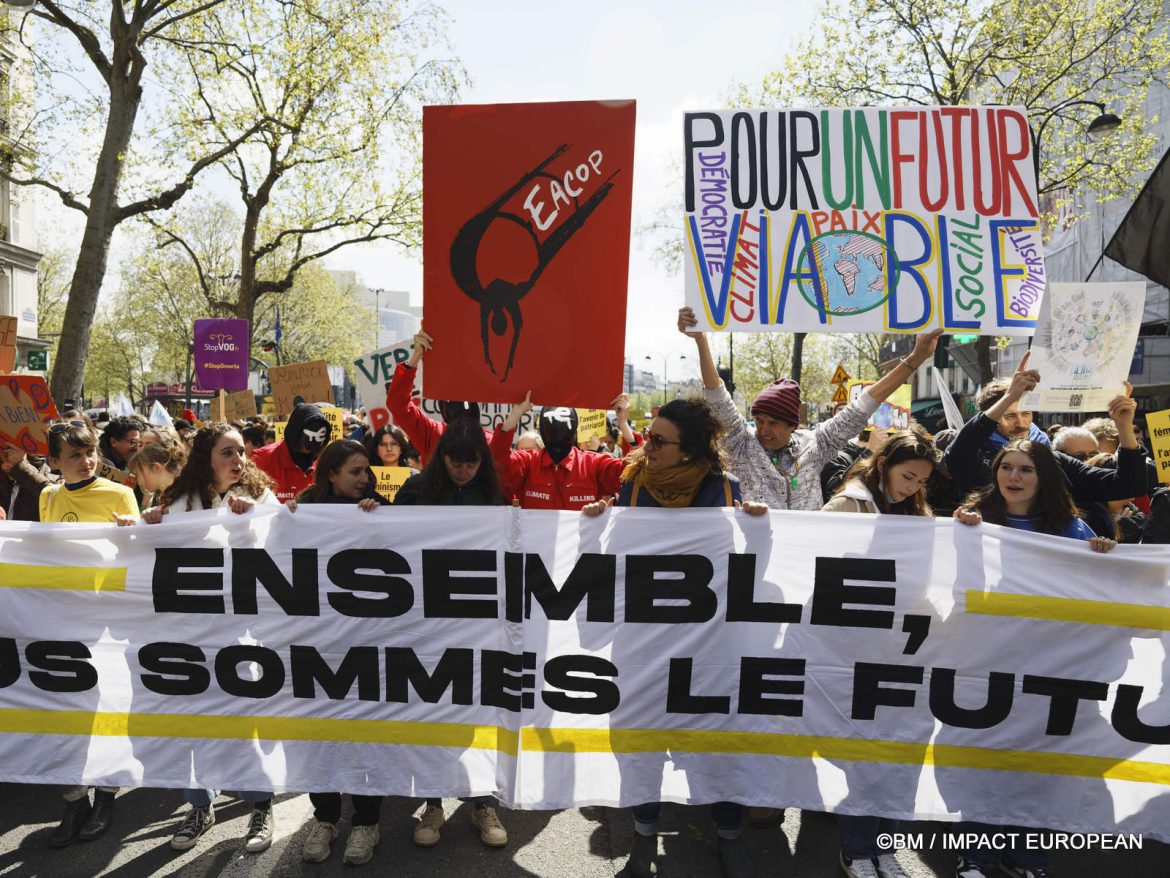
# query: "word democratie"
[[665, 589], [849, 210]]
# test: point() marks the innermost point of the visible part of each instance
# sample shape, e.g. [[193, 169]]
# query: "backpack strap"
[[634, 494], [727, 499]]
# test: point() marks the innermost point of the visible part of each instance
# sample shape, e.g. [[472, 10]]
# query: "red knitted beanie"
[[779, 400]]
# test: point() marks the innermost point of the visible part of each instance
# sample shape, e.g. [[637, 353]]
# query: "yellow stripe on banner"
[[1027, 606], [68, 578], [843, 749], [265, 728]]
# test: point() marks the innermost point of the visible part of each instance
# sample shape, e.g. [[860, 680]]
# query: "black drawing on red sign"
[[499, 299]]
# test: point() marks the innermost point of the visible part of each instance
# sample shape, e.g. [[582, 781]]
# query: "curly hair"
[[197, 477], [699, 431], [331, 462], [171, 457], [1052, 508], [900, 447]]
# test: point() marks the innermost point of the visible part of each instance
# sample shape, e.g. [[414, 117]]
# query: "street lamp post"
[[377, 316], [1102, 124], [665, 359]]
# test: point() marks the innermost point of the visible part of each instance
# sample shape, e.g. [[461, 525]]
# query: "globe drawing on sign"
[[851, 272]]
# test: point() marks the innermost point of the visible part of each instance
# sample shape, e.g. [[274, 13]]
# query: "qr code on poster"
[[1075, 400]]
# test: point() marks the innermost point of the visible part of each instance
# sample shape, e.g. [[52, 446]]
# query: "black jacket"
[[30, 481], [413, 493], [968, 459]]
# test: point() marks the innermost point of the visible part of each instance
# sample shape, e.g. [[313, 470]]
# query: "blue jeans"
[[728, 817], [204, 798], [859, 835]]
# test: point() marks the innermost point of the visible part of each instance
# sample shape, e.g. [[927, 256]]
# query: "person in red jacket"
[[291, 462], [561, 475], [423, 431]]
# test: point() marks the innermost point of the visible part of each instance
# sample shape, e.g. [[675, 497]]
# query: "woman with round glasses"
[[681, 466]]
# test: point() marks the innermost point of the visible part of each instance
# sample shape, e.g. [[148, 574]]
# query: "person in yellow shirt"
[[82, 497]]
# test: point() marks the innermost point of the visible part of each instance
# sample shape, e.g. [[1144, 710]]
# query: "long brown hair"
[[331, 462], [1052, 507], [171, 456], [871, 471], [463, 441], [197, 477]]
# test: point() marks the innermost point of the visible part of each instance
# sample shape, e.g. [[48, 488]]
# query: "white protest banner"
[[924, 668], [1084, 345], [862, 220], [375, 370]]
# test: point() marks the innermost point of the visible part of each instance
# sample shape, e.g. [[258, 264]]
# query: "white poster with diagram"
[[1084, 345]]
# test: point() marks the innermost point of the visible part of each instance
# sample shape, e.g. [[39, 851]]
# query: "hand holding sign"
[[422, 343]]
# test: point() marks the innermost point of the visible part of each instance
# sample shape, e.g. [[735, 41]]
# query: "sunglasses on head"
[[656, 441], [62, 426]]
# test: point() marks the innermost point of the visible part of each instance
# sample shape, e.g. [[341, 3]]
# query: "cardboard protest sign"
[[300, 382], [526, 250], [106, 471], [1084, 345], [7, 344], [894, 413], [278, 429], [590, 423], [390, 479], [1158, 431], [237, 406], [221, 354], [862, 220], [26, 407], [374, 372]]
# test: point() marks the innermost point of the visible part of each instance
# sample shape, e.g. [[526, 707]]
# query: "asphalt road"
[[582, 843]]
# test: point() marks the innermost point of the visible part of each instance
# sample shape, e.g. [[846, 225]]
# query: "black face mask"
[[308, 431], [558, 431], [453, 409]]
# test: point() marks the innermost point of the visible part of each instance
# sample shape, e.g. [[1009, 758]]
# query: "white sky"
[[669, 55]]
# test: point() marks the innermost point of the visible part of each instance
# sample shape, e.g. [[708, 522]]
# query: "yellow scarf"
[[673, 488]]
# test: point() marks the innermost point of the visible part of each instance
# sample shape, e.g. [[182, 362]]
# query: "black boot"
[[641, 862], [734, 859], [100, 816], [71, 822]]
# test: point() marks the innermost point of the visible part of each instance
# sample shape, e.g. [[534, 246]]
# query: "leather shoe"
[[71, 822], [100, 817]]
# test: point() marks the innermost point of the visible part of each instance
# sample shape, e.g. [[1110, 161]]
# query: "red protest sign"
[[526, 236], [7, 344], [26, 407]]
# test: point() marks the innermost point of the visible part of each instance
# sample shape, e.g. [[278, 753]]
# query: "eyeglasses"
[[62, 426], [655, 441]]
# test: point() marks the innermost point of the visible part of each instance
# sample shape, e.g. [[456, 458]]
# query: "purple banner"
[[221, 354]]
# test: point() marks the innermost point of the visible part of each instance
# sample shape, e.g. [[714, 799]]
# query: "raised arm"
[[686, 319]]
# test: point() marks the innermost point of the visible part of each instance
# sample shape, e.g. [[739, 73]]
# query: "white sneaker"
[[889, 867], [491, 830], [429, 824], [316, 847], [858, 868], [197, 822], [359, 848]]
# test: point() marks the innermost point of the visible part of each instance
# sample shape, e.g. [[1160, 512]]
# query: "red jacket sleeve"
[[423, 432], [608, 471], [512, 466]]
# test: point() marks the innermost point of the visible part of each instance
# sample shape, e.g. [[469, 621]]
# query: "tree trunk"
[[101, 220], [797, 356], [983, 358]]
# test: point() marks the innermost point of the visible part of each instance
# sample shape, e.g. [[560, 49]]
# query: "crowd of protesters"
[[1090, 482]]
